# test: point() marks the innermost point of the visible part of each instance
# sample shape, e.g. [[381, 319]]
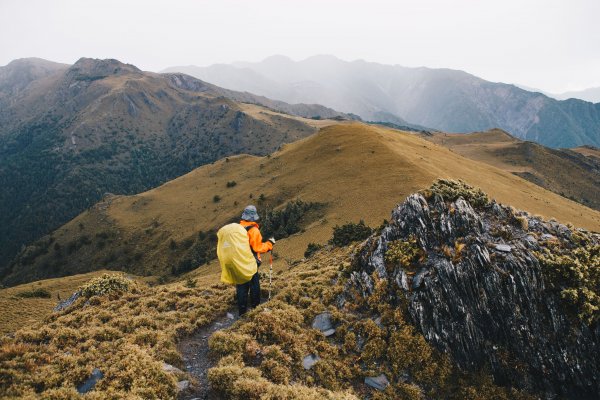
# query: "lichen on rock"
[[483, 286]]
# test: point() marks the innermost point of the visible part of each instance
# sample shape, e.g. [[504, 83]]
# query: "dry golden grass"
[[588, 151], [127, 336], [359, 171], [266, 115], [18, 312]]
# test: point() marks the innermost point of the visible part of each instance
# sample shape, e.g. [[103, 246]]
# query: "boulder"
[[377, 382], [171, 369], [323, 323], [68, 302]]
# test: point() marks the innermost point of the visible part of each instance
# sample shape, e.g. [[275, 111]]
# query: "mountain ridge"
[[343, 167], [442, 99], [572, 173], [68, 135]]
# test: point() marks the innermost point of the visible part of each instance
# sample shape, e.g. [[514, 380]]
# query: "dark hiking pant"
[[253, 285]]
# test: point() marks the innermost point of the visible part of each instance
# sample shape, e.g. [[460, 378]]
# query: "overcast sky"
[[553, 45]]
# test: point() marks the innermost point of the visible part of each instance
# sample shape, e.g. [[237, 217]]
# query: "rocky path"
[[197, 361]]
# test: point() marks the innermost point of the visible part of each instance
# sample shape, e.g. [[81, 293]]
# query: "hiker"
[[257, 246], [239, 249]]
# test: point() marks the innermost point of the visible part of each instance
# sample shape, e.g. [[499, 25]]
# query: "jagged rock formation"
[[476, 280]]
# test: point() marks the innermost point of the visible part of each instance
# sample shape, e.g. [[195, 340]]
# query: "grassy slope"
[[560, 171], [588, 151], [360, 171], [129, 336], [18, 311], [64, 142]]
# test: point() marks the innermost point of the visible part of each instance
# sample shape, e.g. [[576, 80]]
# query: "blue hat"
[[250, 214]]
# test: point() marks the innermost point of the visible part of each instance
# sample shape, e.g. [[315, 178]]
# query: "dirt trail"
[[194, 350]]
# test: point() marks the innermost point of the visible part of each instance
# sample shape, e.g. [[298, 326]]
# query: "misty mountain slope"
[[73, 134], [591, 94], [443, 99], [19, 74], [352, 170], [568, 172]]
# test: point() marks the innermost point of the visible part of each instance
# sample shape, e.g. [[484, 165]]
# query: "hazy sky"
[[553, 45]]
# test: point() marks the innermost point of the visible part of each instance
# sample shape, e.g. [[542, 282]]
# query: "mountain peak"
[[93, 69], [277, 59], [34, 62], [323, 58], [19, 73]]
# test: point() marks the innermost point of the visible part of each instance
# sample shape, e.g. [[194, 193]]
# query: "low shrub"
[[451, 190], [106, 284], [311, 249], [190, 283], [404, 252], [350, 232], [127, 337], [35, 293], [574, 273], [287, 221]]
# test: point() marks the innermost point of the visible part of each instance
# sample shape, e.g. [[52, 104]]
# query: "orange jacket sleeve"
[[256, 242]]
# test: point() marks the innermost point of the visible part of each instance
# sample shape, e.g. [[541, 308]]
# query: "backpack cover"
[[235, 256]]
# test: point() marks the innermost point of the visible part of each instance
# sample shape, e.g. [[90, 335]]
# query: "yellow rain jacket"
[[233, 249]]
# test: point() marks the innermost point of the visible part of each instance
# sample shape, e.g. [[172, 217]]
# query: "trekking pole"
[[270, 272]]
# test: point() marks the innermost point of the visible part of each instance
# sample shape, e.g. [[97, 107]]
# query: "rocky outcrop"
[[90, 69], [470, 273]]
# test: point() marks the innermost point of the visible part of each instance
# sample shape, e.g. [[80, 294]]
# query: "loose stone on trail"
[[377, 382], [171, 369], [183, 385], [309, 361], [323, 323]]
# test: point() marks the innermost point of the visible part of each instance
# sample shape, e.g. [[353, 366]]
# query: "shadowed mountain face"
[[69, 134], [448, 100]]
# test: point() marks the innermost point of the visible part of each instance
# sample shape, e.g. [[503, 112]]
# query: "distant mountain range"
[[591, 94], [71, 133], [443, 99]]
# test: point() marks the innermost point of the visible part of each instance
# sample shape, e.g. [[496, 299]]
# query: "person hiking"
[[258, 247], [239, 248]]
